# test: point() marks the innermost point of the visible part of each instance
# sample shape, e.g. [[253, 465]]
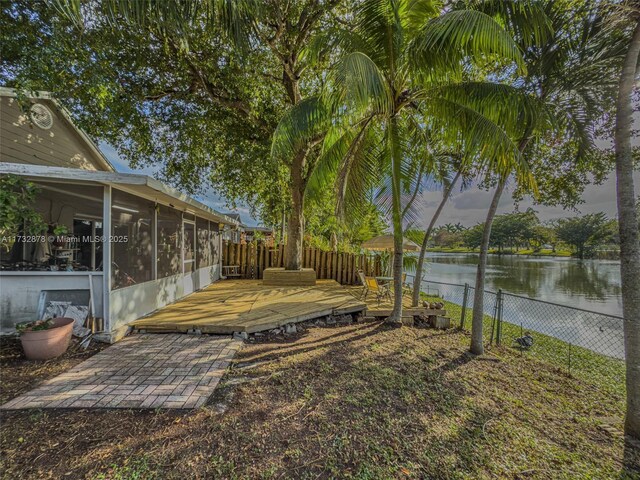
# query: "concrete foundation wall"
[[19, 293], [130, 303]]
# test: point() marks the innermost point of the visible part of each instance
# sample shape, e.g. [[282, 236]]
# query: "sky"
[[468, 207]]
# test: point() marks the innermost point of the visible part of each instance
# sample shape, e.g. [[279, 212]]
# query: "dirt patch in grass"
[[359, 401], [20, 375]]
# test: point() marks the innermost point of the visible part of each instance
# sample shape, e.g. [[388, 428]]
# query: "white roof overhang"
[[140, 185]]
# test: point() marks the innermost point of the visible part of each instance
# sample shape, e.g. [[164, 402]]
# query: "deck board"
[[249, 306]]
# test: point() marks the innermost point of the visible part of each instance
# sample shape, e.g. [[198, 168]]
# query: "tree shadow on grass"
[[454, 363]]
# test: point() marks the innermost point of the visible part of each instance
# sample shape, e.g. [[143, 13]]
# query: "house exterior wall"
[[20, 291], [23, 142], [130, 303]]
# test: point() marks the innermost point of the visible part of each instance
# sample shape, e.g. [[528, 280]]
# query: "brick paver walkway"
[[141, 371]]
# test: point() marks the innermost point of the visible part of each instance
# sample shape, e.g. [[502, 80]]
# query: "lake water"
[[588, 284], [591, 285]]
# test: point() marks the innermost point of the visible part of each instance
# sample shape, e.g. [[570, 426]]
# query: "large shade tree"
[[400, 88], [196, 87]]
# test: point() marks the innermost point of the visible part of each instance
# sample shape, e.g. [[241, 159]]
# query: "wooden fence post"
[[247, 262]]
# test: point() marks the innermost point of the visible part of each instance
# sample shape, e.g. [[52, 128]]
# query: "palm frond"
[[445, 41], [525, 20], [305, 122], [357, 84], [338, 149], [513, 109], [234, 18], [380, 29], [483, 140], [415, 13], [367, 170]]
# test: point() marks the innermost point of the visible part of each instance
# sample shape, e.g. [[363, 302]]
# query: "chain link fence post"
[[464, 305], [494, 317], [499, 324]]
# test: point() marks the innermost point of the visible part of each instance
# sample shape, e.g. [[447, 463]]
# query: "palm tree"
[[448, 188], [628, 225], [399, 82], [566, 70]]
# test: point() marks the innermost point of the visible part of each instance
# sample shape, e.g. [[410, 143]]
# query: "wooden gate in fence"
[[253, 258]]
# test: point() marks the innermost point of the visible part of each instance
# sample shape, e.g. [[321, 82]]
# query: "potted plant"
[[45, 339]]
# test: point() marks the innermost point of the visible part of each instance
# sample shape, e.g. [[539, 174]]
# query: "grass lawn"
[[358, 401], [600, 371]]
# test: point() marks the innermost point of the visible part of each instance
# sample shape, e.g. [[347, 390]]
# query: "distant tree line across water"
[[584, 236]]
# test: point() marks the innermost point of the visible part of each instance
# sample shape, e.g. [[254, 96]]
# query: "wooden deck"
[[384, 308], [249, 306]]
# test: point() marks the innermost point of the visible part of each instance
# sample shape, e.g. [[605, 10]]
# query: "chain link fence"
[[585, 343]]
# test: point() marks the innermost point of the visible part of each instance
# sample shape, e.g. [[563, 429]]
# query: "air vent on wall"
[[41, 116]]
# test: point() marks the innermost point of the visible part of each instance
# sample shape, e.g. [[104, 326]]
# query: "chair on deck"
[[371, 285]]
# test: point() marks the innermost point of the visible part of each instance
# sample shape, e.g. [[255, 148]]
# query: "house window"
[[132, 241], [169, 242]]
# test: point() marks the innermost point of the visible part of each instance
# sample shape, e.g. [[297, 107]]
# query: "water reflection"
[[590, 284], [586, 279]]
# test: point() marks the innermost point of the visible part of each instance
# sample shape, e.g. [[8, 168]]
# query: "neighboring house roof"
[[45, 97], [141, 185], [235, 216]]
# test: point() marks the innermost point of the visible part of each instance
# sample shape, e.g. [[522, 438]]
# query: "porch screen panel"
[[203, 243], [132, 242], [169, 242], [189, 246], [215, 243]]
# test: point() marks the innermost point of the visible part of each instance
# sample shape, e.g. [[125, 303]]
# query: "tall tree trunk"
[[293, 251], [423, 249], [629, 241], [396, 158], [477, 345], [283, 226], [293, 248]]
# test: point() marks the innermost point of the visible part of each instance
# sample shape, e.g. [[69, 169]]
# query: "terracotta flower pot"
[[50, 343]]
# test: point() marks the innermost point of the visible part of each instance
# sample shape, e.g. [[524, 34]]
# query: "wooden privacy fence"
[[252, 259]]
